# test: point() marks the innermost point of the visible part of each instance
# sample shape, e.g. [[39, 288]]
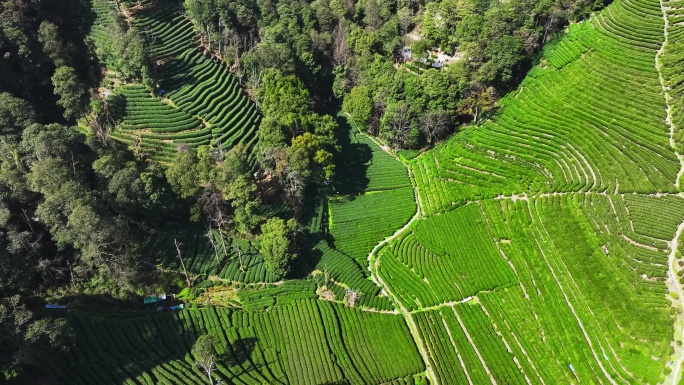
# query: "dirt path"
[[637, 244], [674, 287], [373, 266], [672, 280], [460, 359], [666, 93], [477, 351]]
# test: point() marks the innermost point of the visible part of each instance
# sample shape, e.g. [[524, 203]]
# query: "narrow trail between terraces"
[[374, 265], [666, 93], [673, 284]]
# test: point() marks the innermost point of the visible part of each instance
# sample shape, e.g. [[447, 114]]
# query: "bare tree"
[[555, 20], [405, 16], [350, 5], [101, 119], [477, 101], [180, 256], [293, 186], [434, 124], [137, 147], [205, 355], [215, 208], [210, 235], [399, 122], [529, 37], [340, 49], [239, 253]]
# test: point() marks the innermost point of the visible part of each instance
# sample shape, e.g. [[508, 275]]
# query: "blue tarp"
[[177, 307], [154, 298], [51, 306]]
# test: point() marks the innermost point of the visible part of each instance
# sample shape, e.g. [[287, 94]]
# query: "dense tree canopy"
[[24, 338], [274, 245], [350, 48]]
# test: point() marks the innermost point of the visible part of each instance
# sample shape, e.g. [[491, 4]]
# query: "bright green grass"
[[551, 249]]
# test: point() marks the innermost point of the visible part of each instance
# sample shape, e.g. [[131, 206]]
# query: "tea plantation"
[[546, 249], [539, 247], [196, 100]]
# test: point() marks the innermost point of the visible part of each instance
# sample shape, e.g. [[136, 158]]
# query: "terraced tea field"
[[546, 251], [221, 259], [373, 197], [196, 100], [310, 342], [540, 247], [590, 117]]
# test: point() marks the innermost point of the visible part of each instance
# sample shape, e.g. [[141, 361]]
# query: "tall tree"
[[205, 355], [48, 36], [15, 115], [70, 91], [397, 124], [24, 339], [477, 101], [358, 104], [274, 246], [183, 174]]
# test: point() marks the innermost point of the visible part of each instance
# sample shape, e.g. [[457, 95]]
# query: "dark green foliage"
[[70, 91], [183, 173], [123, 50], [358, 105], [26, 338]]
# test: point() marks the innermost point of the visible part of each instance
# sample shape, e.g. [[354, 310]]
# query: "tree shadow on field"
[[77, 20], [240, 362], [352, 161], [117, 106], [306, 260], [176, 73], [109, 346]]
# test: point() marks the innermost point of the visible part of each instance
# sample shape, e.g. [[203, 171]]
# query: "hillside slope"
[[195, 99], [546, 248]]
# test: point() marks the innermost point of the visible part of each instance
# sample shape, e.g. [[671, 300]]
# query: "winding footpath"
[[675, 287], [666, 92], [672, 280], [374, 265]]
